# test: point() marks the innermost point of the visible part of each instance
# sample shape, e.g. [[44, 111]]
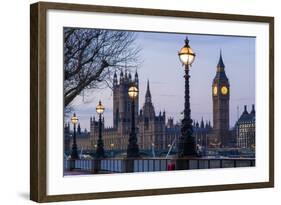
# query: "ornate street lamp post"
[[74, 152], [100, 151], [186, 145], [133, 149]]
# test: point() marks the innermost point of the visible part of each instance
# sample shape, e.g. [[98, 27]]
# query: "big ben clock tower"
[[220, 93]]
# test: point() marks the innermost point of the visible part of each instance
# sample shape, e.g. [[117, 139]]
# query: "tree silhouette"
[[92, 55]]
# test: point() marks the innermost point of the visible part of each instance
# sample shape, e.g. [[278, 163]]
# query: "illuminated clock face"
[[224, 90], [215, 90]]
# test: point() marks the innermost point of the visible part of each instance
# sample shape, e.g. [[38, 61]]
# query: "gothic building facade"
[[153, 131], [245, 129], [150, 126], [221, 96], [82, 138]]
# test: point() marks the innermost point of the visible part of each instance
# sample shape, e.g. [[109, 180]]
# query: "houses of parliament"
[[151, 127], [160, 131]]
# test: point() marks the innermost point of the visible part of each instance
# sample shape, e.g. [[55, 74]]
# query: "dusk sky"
[[162, 67]]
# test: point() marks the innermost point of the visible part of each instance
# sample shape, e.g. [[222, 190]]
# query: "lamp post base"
[[133, 151], [189, 148], [74, 153], [100, 152]]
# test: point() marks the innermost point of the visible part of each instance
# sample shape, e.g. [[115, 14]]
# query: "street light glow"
[[133, 92], [100, 108], [186, 54], [74, 119]]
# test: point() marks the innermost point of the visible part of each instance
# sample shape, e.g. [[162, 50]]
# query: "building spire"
[[202, 123], [206, 124], [136, 77], [125, 78], [253, 112], [121, 77], [245, 110], [220, 65], [148, 94], [79, 129], [115, 81]]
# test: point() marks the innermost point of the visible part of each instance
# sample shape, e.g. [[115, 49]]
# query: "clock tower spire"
[[221, 94]]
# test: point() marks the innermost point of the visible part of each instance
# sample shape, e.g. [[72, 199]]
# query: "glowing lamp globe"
[[133, 92], [186, 54], [74, 119], [100, 108]]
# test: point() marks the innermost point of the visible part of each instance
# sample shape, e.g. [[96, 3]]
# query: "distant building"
[[202, 132], [245, 129], [221, 95], [232, 141], [153, 131], [172, 131], [82, 138], [150, 126], [67, 138]]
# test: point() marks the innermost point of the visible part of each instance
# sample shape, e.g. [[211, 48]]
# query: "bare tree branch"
[[92, 55]]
